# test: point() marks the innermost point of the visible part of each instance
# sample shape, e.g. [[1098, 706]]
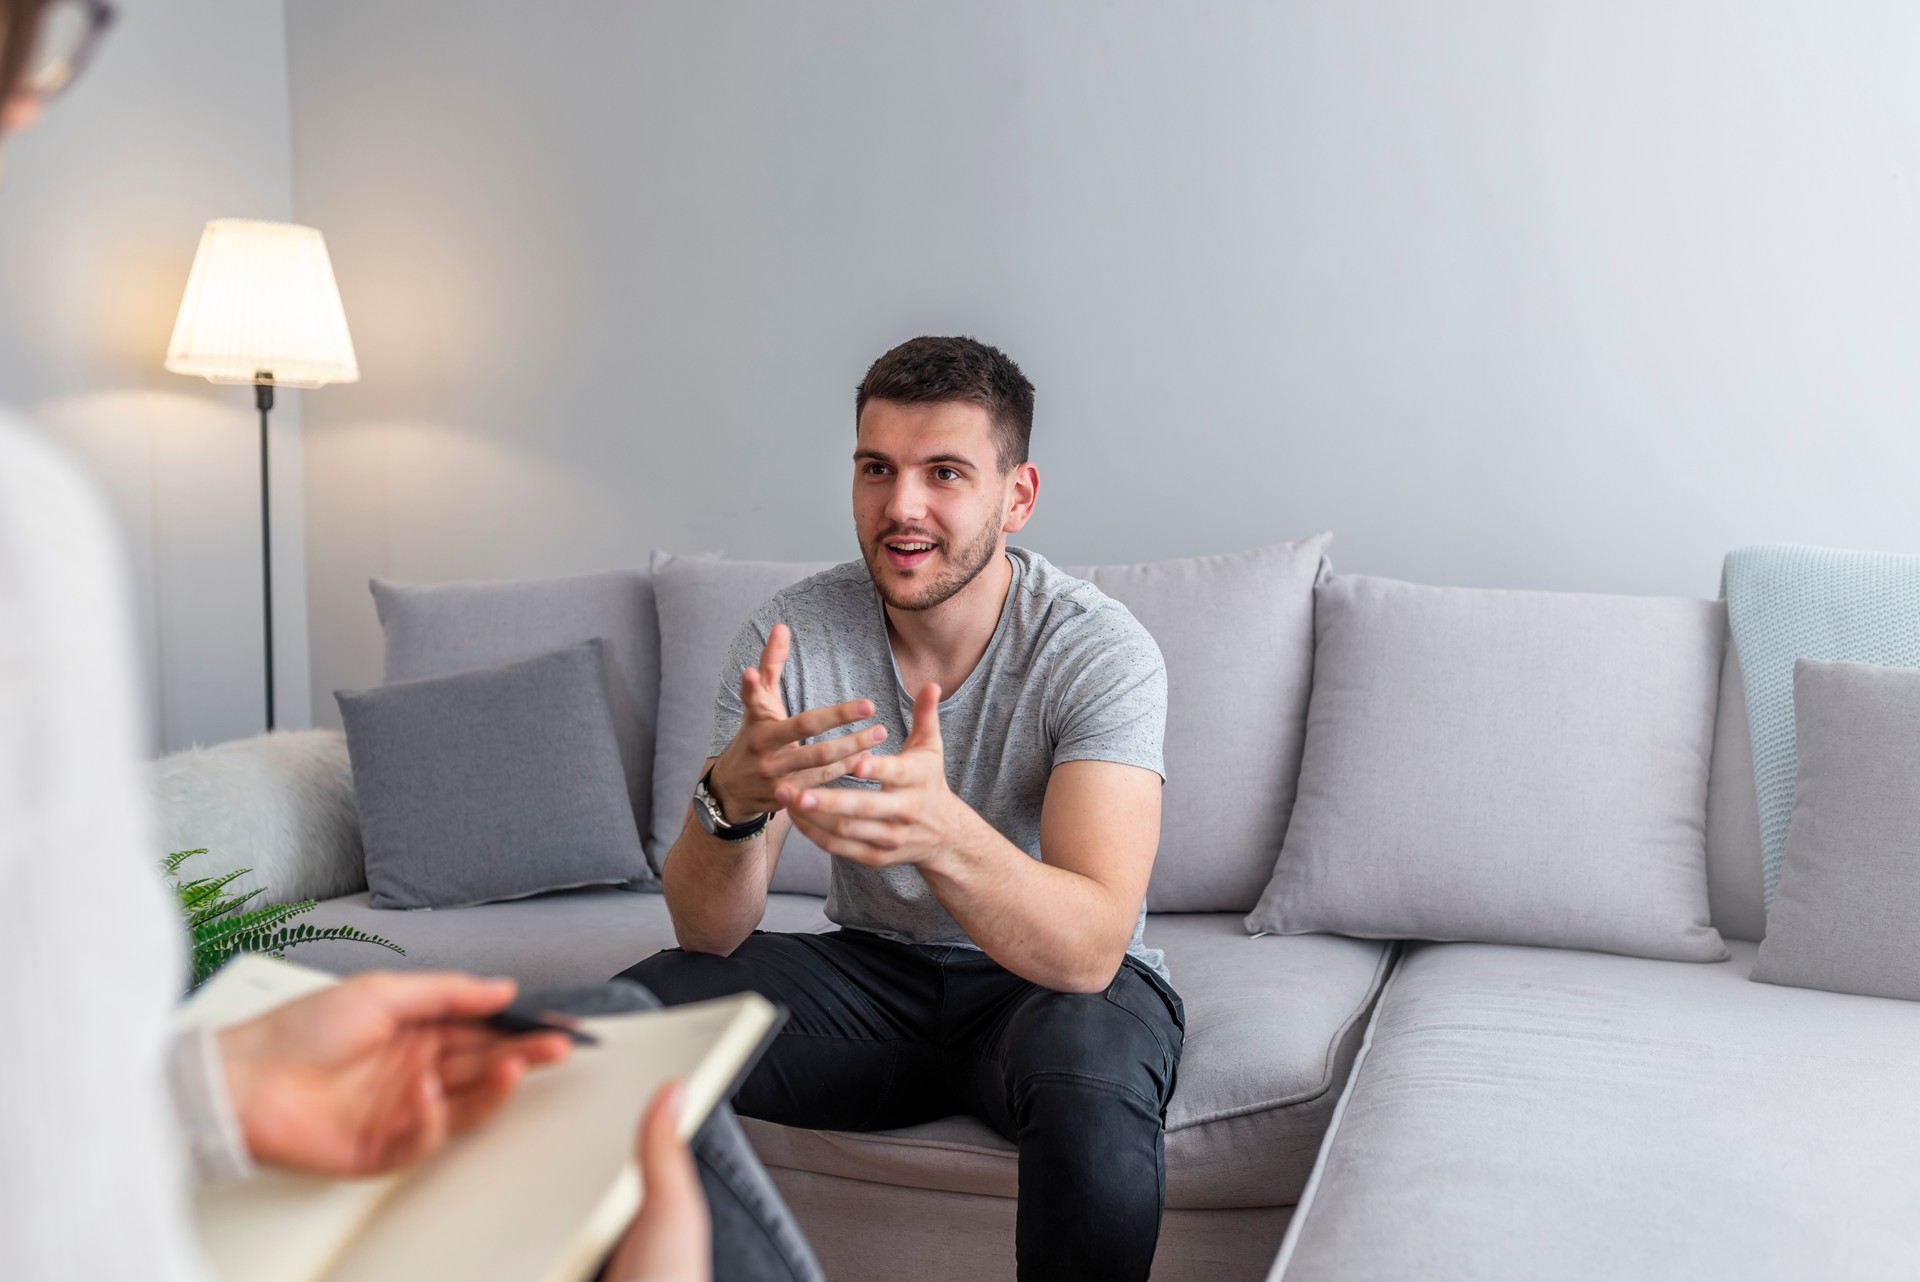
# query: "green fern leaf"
[[260, 919], [171, 864], [220, 907], [194, 894]]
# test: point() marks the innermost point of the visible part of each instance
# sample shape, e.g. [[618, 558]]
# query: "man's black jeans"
[[881, 1034]]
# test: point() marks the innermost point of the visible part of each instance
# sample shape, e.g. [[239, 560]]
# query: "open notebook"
[[539, 1194]]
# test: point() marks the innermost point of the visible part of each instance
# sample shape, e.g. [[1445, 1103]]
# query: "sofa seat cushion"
[[1526, 1113], [568, 937], [1273, 1025]]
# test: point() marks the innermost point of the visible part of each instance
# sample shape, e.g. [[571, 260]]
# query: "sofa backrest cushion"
[[703, 602], [1508, 767], [435, 630], [1236, 632], [1736, 871]]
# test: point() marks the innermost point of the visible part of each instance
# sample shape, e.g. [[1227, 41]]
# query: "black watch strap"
[[706, 808]]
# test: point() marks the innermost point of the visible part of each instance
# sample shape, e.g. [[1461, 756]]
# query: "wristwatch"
[[706, 808]]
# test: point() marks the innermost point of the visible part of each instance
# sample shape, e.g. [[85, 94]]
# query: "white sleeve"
[[92, 1183], [197, 1080]]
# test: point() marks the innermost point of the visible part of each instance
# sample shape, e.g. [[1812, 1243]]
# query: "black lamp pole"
[[263, 400]]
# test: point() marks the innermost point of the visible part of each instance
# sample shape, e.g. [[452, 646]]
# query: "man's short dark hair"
[[926, 371]]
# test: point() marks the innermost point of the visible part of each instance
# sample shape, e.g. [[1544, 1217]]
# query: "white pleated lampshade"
[[261, 302]]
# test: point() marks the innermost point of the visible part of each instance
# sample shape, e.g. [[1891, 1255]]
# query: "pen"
[[517, 1022]]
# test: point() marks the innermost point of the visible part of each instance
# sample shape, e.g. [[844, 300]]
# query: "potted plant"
[[217, 928]]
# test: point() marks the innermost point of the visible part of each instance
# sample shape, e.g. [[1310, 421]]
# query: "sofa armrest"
[[280, 804]]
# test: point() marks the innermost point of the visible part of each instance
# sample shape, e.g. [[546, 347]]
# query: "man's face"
[[930, 503]]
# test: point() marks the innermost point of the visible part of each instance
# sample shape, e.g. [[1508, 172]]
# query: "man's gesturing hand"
[[912, 819], [767, 754]]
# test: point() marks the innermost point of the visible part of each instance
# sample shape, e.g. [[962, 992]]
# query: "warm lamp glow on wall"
[[261, 307]]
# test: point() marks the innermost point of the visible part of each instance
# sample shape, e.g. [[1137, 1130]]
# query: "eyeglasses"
[[69, 32]]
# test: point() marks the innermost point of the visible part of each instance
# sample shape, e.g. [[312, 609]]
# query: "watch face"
[[709, 807]]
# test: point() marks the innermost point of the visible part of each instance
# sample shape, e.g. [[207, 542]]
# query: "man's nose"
[[907, 503]]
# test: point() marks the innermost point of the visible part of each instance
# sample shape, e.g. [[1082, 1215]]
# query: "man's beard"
[[963, 569]]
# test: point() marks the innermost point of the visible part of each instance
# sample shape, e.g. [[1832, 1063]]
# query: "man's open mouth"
[[905, 554]]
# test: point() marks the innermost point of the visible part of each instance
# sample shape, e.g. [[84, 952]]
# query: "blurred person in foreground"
[[106, 1117]]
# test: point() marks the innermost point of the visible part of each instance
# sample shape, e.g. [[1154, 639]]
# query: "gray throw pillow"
[[1236, 632], [493, 784], [703, 601], [1736, 864], [435, 630], [1507, 767], [1846, 912]]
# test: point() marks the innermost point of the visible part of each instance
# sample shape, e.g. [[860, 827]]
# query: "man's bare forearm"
[[1055, 928], [716, 891]]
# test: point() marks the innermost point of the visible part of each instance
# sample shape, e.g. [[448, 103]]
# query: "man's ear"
[[1022, 494]]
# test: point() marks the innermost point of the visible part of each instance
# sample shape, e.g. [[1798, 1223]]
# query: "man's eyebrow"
[[930, 461]]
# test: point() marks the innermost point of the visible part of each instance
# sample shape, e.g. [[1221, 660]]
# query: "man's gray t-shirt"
[[1070, 675]]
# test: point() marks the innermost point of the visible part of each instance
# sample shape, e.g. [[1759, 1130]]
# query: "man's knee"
[[1083, 1049], [618, 996], [676, 976], [766, 962]]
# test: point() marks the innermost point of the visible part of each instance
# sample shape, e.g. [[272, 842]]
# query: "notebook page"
[[542, 1192]]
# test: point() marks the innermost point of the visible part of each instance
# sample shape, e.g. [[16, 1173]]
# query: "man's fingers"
[[853, 803], [926, 720], [814, 755], [760, 686], [881, 834], [773, 658], [817, 721], [889, 771], [835, 844], [760, 701], [798, 782]]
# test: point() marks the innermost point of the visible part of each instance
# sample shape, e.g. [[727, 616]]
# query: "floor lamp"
[[261, 307]]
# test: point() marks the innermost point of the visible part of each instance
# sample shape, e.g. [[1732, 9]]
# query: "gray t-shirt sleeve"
[[1109, 694], [748, 643]]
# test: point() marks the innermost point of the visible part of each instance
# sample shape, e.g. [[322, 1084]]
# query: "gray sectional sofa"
[[1391, 1109]]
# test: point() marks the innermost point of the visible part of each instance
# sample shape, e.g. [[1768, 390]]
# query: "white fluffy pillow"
[[280, 804]]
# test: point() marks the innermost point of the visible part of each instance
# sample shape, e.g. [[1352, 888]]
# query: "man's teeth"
[[911, 547]]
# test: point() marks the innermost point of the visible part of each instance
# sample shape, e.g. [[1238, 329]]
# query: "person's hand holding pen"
[[375, 1072]]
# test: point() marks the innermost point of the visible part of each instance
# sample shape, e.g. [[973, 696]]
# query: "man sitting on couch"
[[990, 895]]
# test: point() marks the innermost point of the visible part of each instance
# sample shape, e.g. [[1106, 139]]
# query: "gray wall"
[[182, 118], [1535, 294]]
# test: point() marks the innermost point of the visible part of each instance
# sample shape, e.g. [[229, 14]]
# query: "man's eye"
[[874, 469], [945, 474]]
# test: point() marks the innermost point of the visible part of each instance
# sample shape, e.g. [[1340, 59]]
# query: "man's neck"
[[946, 643]]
